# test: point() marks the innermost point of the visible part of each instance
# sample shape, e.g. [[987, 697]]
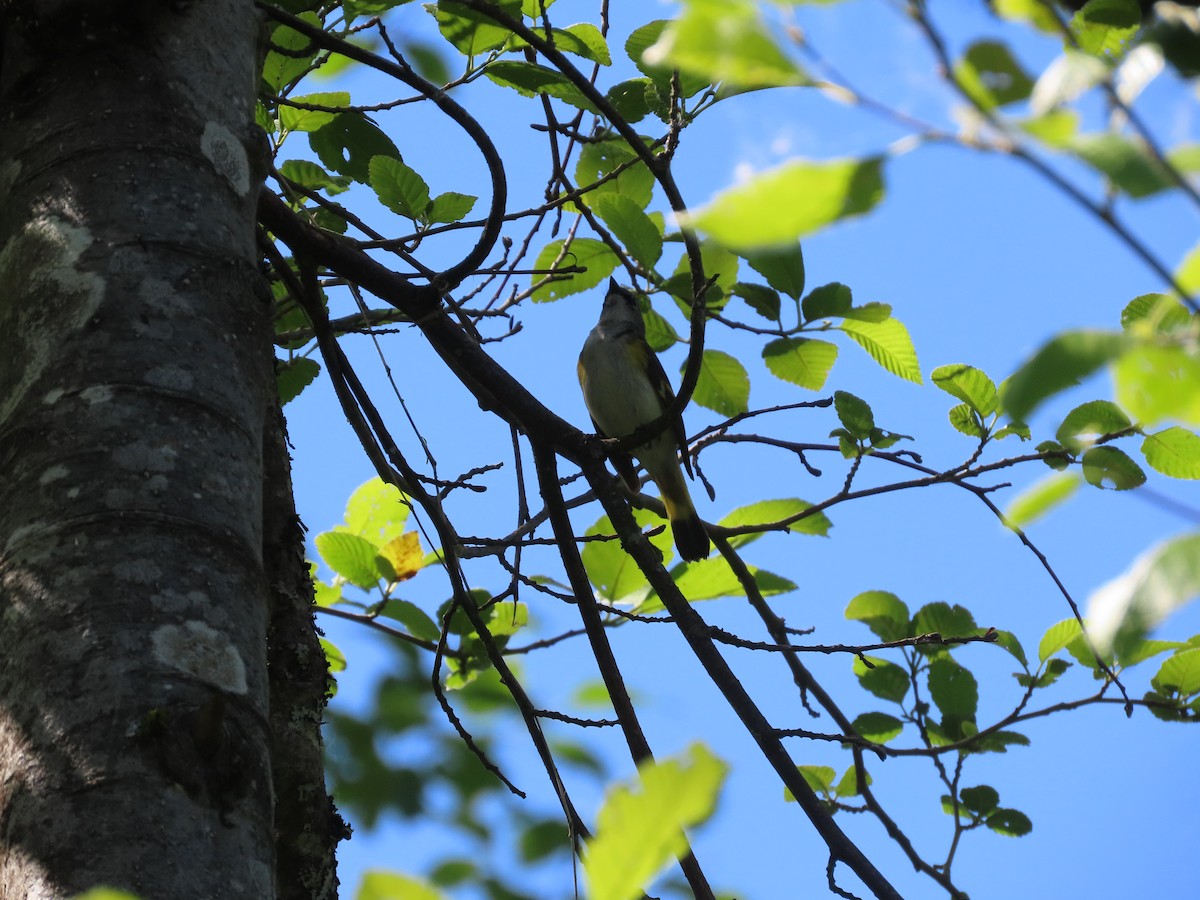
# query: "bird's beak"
[[612, 285]]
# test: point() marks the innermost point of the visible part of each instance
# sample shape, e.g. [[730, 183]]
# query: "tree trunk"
[[134, 381]]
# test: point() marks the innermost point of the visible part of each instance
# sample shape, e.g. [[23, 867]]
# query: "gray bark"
[[134, 379]]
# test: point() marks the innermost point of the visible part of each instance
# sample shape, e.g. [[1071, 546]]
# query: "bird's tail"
[[690, 537]]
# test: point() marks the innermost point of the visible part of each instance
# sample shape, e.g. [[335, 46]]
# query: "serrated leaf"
[[778, 207], [801, 361], [449, 207], [614, 575], [640, 827], [1089, 421], [882, 678], [350, 556], [529, 79], [587, 253], [293, 376], [1059, 364], [403, 555], [631, 226], [966, 420], [855, 414], [1180, 673], [471, 32], [760, 298], [968, 384], [1108, 465], [783, 267], [582, 39], [953, 688], [293, 118], [349, 143], [887, 343], [600, 158], [1057, 637], [767, 511], [310, 175], [724, 385], [1161, 312], [1009, 822], [1173, 451], [827, 301], [877, 727], [942, 618], [883, 612], [376, 511], [415, 619], [398, 187], [711, 578]]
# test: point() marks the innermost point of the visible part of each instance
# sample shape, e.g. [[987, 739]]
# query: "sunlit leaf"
[[1034, 502], [1174, 451], [777, 207], [883, 612], [587, 253], [767, 511], [888, 343], [1089, 421], [801, 361], [723, 386], [968, 384], [1059, 364]]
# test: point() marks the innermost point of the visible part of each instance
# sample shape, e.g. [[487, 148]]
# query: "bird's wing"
[[662, 387]]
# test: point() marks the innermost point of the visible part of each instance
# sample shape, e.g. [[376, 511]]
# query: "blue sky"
[[982, 261]]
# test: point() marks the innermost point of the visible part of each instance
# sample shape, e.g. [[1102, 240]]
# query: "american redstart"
[[624, 387]]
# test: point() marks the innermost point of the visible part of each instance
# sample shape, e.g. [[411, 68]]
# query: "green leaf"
[[968, 384], [1009, 822], [724, 42], [349, 143], [350, 556], [415, 619], [1180, 673], [711, 578], [1104, 27], [1059, 364], [377, 511], [1056, 128], [613, 573], [801, 361], [942, 618], [1160, 312], [998, 742], [294, 375], [592, 255], [827, 301], [848, 785], [600, 158], [631, 226], [783, 267], [380, 885], [660, 335], [966, 420], [1108, 464], [765, 512], [399, 188], [980, 800], [877, 727], [1122, 612], [310, 175], [1155, 382], [819, 778], [953, 689], [1174, 451], [882, 678], [472, 32], [582, 39], [529, 80], [1033, 12], [855, 414], [724, 386], [628, 98], [719, 263], [640, 827], [1034, 502], [760, 298], [777, 207], [1089, 421], [281, 68], [883, 612], [1126, 162], [449, 207], [293, 119], [887, 343], [1009, 642], [636, 46], [1057, 637], [990, 75]]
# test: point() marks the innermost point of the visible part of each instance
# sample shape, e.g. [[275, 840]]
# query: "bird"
[[625, 387]]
